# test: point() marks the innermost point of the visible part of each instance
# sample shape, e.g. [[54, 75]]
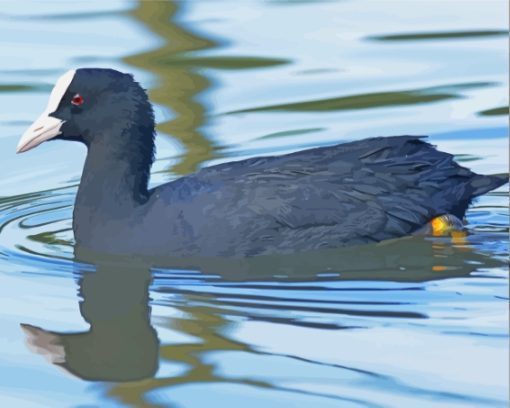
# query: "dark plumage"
[[352, 193]]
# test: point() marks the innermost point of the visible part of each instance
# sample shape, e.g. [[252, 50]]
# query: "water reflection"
[[438, 35], [201, 305], [374, 100], [179, 69], [120, 344], [178, 84], [502, 110], [411, 259], [24, 88]]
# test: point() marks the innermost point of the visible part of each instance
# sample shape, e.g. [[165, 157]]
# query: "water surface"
[[419, 322]]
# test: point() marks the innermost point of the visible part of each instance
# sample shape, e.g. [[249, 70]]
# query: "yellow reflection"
[[459, 238], [178, 83], [200, 322]]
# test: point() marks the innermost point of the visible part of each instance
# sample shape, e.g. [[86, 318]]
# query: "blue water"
[[418, 323]]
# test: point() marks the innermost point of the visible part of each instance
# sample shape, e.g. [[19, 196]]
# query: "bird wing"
[[359, 192]]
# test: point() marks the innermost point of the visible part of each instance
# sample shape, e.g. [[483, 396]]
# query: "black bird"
[[353, 193]]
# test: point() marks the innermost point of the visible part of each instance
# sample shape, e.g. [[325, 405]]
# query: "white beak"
[[44, 128]]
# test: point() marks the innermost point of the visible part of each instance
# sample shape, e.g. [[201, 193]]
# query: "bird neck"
[[115, 175]]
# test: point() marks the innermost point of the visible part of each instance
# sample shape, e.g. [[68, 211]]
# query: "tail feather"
[[481, 184]]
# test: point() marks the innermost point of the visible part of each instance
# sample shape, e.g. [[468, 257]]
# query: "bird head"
[[89, 103]]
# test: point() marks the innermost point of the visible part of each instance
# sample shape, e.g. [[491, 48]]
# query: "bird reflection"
[[121, 344], [204, 313], [409, 259]]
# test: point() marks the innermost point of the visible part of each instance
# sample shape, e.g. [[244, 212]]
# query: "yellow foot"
[[446, 225]]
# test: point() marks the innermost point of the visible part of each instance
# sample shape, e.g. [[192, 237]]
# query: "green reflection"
[[372, 100], [210, 327], [84, 15], [295, 132], [446, 35], [466, 157], [178, 83], [180, 78], [52, 237], [227, 62], [24, 88], [503, 110]]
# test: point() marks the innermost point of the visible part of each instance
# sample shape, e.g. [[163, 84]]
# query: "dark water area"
[[417, 322]]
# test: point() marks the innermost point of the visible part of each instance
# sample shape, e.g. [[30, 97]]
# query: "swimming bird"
[[353, 193]]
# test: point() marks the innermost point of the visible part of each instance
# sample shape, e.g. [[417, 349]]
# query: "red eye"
[[77, 100]]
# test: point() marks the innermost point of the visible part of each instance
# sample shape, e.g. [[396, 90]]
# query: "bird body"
[[348, 194]]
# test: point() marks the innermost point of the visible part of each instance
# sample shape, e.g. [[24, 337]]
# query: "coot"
[[352, 193]]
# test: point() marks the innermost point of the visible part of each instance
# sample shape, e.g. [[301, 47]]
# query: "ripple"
[[388, 288], [36, 231]]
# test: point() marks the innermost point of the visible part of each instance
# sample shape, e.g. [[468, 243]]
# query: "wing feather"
[[356, 192]]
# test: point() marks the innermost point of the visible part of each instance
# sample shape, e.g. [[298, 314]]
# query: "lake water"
[[412, 323]]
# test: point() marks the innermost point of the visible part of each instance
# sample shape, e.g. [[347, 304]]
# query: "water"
[[410, 323]]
